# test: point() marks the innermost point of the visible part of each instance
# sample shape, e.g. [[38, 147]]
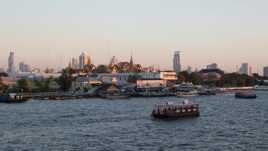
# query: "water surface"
[[96, 124]]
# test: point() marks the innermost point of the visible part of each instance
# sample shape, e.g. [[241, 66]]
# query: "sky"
[[48, 33]]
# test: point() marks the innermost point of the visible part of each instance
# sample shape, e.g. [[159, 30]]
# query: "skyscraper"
[[177, 62], [84, 59], [265, 71], [11, 64], [244, 69], [74, 63], [23, 67]]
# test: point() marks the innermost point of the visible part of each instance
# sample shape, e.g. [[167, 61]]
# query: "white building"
[[84, 59], [244, 69], [177, 62], [265, 71], [151, 83], [168, 75], [11, 64]]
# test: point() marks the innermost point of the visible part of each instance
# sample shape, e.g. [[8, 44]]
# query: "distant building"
[[24, 67], [150, 83], [168, 75], [11, 64], [244, 69], [212, 66], [265, 71], [84, 59], [74, 63], [189, 69], [211, 74], [2, 70], [177, 62]]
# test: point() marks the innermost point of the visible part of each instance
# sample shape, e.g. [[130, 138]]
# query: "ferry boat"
[[12, 98], [245, 95], [175, 111]]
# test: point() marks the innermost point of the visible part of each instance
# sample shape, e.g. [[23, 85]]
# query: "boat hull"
[[245, 96], [176, 111], [8, 99]]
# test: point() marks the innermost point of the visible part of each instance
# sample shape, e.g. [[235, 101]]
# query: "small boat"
[[206, 92], [115, 96], [260, 88], [186, 94], [245, 95], [12, 98], [175, 111]]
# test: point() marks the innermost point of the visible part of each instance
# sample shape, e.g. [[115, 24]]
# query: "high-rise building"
[[11, 64], [177, 62], [84, 59], [212, 66], [265, 71], [74, 63], [244, 69], [23, 67]]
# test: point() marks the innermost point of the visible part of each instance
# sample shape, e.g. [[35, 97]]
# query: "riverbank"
[[73, 96]]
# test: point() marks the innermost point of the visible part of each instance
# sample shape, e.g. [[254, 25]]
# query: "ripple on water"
[[99, 125]]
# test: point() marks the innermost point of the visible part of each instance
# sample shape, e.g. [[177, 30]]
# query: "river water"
[[225, 124]]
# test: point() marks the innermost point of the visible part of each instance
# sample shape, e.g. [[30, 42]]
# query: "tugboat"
[[175, 111], [245, 95], [12, 98]]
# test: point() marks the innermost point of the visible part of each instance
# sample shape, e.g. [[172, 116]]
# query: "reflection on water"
[[95, 124]]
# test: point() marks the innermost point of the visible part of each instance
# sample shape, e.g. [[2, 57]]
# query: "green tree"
[[196, 78], [193, 77], [66, 79], [3, 87], [102, 69], [24, 85], [236, 80], [89, 68]]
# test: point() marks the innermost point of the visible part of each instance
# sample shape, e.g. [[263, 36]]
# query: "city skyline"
[[50, 33], [76, 62]]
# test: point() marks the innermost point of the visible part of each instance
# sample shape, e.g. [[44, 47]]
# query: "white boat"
[[186, 94], [260, 88]]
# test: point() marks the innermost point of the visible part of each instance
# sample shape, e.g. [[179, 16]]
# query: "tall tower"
[[265, 71], [11, 64], [177, 62], [74, 63], [84, 59], [131, 61]]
